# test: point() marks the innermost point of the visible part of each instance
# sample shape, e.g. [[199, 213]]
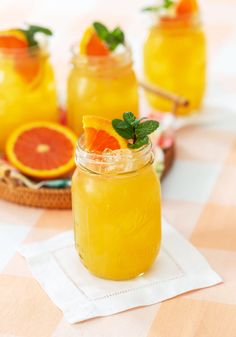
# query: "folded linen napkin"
[[55, 264]]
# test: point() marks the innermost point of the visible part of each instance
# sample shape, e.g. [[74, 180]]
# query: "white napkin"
[[55, 264]]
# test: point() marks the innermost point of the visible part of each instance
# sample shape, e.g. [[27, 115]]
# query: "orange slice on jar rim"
[[26, 65], [186, 7], [99, 135], [92, 45], [13, 39], [42, 150]]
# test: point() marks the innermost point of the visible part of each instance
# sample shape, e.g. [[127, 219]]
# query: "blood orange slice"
[[92, 45], [42, 150], [100, 135]]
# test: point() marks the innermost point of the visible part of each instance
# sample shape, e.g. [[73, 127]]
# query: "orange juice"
[[117, 212], [101, 86], [175, 59], [21, 100]]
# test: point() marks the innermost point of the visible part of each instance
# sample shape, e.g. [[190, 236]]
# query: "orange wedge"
[[42, 150], [185, 7], [100, 135], [92, 45]]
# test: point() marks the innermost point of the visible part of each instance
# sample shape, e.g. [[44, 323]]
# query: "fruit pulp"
[[23, 101], [175, 59], [117, 221]]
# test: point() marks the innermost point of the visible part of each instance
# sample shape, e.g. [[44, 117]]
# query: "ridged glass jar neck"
[[177, 23], [24, 53], [103, 65], [113, 162]]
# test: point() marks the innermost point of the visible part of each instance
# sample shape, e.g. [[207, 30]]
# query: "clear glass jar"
[[116, 203], [27, 89], [104, 86], [175, 59]]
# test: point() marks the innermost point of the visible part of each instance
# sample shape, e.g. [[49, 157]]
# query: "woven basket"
[[52, 198], [43, 198]]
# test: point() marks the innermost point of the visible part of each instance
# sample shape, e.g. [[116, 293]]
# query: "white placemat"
[[55, 264]]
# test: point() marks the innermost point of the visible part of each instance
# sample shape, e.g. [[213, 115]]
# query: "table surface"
[[199, 194]]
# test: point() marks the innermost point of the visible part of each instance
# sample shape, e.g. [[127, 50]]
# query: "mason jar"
[[175, 60], [27, 89], [116, 203], [104, 86]]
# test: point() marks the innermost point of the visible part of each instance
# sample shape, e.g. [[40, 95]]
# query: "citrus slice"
[[185, 7], [12, 40], [92, 45], [25, 63], [42, 149], [100, 135]]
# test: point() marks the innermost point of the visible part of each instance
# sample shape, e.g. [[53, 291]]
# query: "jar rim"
[[120, 58], [172, 21], [41, 49], [108, 158]]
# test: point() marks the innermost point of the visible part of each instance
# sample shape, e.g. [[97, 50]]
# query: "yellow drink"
[[117, 213], [102, 86], [175, 59], [23, 101]]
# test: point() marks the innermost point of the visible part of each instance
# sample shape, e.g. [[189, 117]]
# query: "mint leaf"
[[111, 38], [165, 5], [101, 30], [111, 42], [146, 128], [31, 31], [168, 3], [151, 9], [118, 34], [139, 143], [129, 117], [138, 121], [123, 129], [130, 128]]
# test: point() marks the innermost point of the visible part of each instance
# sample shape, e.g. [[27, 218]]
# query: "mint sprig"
[[165, 5], [136, 131], [31, 31], [111, 38]]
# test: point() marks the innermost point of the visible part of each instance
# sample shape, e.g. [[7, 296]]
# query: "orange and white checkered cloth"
[[199, 194]]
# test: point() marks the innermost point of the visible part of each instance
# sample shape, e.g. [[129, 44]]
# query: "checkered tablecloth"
[[199, 194]]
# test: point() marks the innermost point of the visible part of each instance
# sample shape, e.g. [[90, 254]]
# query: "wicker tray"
[[51, 198]]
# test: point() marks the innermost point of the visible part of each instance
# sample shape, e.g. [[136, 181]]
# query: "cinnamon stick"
[[177, 100]]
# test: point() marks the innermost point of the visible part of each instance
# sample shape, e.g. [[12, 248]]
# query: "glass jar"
[[104, 86], [175, 60], [27, 89], [116, 203]]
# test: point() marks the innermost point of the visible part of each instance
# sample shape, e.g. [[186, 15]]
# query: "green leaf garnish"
[[101, 30], [146, 128], [165, 5], [129, 117], [31, 31], [125, 130], [134, 129], [111, 38], [139, 143]]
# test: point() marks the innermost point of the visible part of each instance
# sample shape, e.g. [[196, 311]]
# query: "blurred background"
[[69, 18]]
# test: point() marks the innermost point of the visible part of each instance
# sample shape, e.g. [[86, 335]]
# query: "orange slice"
[[13, 38], [185, 7], [92, 45], [100, 135], [42, 149], [26, 64]]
